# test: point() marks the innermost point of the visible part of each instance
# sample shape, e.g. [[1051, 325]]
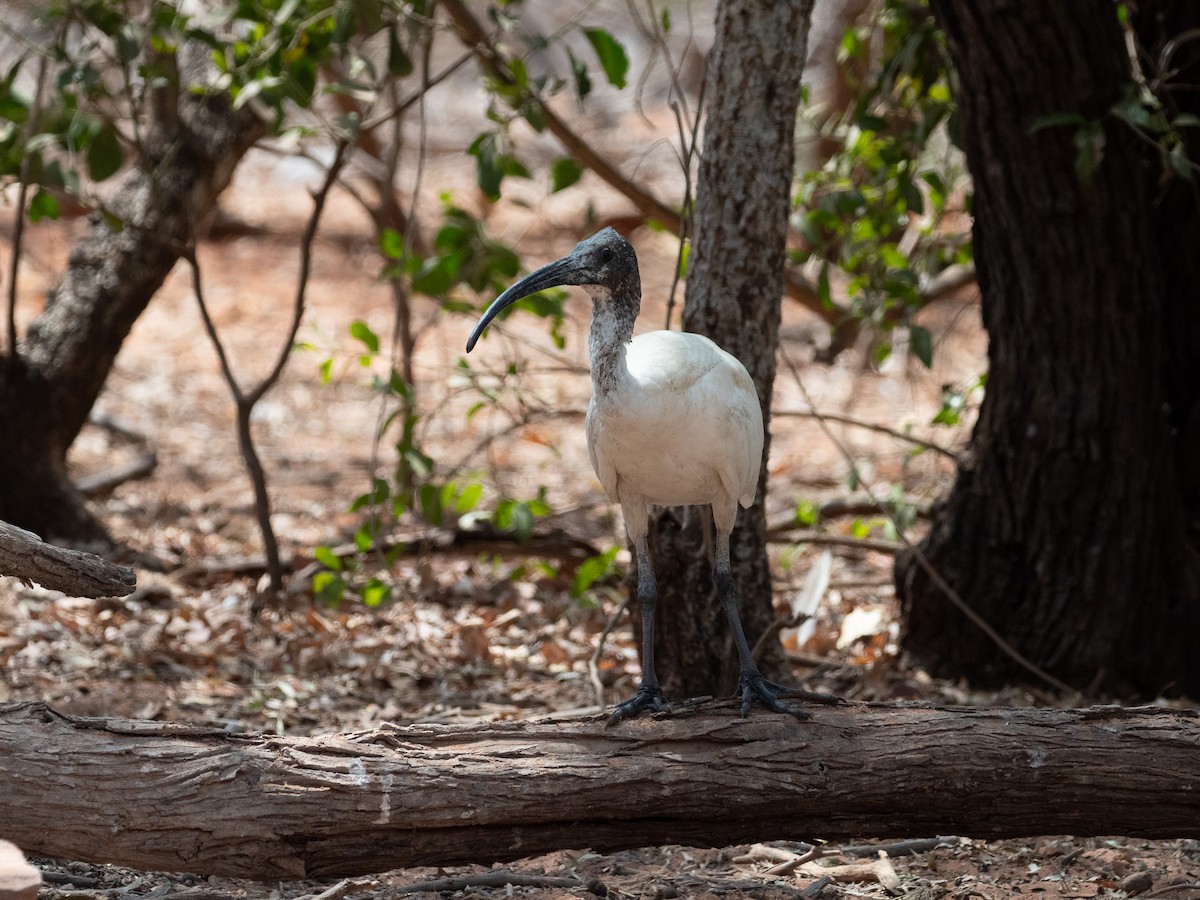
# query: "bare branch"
[[26, 556], [246, 400], [870, 426], [31, 125]]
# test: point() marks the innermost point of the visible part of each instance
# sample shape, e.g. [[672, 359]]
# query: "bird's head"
[[604, 264]]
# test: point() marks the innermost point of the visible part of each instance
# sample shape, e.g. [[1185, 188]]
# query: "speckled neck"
[[613, 315]]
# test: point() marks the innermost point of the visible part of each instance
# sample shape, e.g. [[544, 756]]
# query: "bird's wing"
[[673, 365], [601, 465]]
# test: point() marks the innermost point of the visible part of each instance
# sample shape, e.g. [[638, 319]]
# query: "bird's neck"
[[613, 315]]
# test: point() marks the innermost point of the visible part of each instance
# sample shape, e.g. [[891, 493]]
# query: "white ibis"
[[674, 421]]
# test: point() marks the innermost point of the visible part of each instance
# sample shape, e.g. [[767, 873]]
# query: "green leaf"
[[922, 344], [611, 54], [399, 63], [104, 156], [43, 205], [364, 537], [564, 172], [488, 173], [823, 286], [376, 593], [468, 498], [329, 588], [593, 569], [361, 331], [665, 18], [430, 499], [522, 522], [583, 81], [1183, 166], [391, 243], [913, 201], [807, 513], [326, 557]]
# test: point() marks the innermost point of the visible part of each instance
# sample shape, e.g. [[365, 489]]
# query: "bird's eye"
[[606, 255]]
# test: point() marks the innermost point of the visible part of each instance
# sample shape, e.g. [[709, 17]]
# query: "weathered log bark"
[[26, 556], [174, 797]]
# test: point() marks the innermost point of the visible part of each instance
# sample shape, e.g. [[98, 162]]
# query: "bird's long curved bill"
[[553, 274]]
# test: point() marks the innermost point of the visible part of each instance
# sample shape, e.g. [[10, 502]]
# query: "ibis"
[[674, 420]]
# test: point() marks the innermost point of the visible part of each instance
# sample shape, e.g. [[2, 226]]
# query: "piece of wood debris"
[[18, 879]]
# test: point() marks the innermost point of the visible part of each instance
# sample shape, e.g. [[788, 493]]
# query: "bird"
[[674, 420]]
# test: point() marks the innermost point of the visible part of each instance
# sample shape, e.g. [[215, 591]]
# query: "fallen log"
[[183, 798]]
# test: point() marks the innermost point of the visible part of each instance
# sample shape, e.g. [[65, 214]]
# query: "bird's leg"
[[751, 684], [649, 695]]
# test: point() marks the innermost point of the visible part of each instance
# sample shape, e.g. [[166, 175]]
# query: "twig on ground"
[[113, 477], [344, 888], [767, 853], [498, 880], [901, 848], [790, 865], [814, 890], [1171, 888], [848, 506]]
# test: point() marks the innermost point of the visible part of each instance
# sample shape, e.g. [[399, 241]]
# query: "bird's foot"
[[752, 686], [646, 698]]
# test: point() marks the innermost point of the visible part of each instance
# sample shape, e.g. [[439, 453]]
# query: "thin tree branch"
[[31, 125], [594, 661], [306, 242], [875, 545], [245, 401], [870, 426]]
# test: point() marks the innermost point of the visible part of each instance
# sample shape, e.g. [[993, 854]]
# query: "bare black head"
[[604, 264]]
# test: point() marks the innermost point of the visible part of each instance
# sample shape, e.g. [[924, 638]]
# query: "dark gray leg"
[[751, 685], [649, 696]]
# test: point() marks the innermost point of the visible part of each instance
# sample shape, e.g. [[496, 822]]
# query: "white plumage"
[[674, 421], [681, 426]]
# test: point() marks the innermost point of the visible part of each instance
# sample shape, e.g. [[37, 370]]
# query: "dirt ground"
[[474, 634]]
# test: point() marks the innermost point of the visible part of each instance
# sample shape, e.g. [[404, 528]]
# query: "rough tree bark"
[[25, 556], [734, 289], [174, 797], [1067, 528], [48, 389]]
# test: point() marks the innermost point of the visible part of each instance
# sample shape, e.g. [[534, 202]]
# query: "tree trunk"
[[1067, 527], [172, 797], [47, 391], [734, 288]]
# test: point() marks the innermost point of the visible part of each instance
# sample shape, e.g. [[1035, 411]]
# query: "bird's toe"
[[753, 688], [646, 698]]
